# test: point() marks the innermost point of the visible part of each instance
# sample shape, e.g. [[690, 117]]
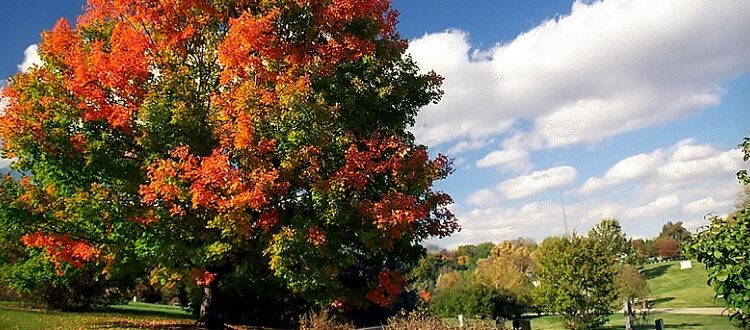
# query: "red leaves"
[[213, 182], [62, 248], [377, 157], [258, 45], [395, 212], [407, 174], [106, 80], [389, 286], [203, 277], [316, 236]]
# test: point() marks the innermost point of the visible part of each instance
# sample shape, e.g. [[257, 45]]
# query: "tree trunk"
[[629, 315], [209, 312]]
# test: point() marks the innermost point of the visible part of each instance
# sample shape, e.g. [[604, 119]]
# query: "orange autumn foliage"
[[203, 277], [62, 248], [105, 80]]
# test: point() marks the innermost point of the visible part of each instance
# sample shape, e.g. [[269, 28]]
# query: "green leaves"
[[724, 246], [576, 279]]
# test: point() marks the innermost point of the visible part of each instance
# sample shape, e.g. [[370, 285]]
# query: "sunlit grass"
[[131, 316], [672, 287]]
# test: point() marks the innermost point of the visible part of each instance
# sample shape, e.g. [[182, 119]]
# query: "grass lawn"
[[131, 316], [672, 287], [671, 321]]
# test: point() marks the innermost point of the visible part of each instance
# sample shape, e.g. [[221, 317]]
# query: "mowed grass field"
[[671, 321], [131, 316], [674, 287]]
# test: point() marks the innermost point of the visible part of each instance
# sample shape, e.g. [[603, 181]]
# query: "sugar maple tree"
[[206, 132]]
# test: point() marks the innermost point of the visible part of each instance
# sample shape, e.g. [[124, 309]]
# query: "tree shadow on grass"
[[657, 301], [143, 324], [145, 313], [652, 325], [656, 271]]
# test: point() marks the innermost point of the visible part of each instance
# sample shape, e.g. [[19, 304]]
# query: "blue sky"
[[630, 109]]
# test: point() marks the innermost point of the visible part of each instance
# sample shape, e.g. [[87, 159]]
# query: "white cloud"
[[607, 68], [538, 181], [30, 58], [512, 159], [705, 206], [661, 205], [711, 165], [643, 201], [483, 197], [634, 167], [467, 145], [684, 163]]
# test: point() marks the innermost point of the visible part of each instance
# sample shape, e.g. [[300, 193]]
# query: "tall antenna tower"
[[565, 218]]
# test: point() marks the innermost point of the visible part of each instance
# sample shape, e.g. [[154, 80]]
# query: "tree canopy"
[[576, 279], [197, 134], [724, 247]]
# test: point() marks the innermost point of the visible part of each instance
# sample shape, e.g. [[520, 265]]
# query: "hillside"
[[672, 287]]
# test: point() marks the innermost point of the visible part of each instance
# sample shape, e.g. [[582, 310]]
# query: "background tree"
[[724, 247], [675, 231], [608, 233], [576, 280], [667, 247], [509, 269], [425, 274], [641, 251], [630, 285], [209, 132]]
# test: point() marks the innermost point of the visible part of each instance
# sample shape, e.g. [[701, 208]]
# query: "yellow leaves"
[[217, 250], [277, 246], [165, 277]]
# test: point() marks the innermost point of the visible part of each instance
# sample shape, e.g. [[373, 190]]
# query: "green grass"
[[131, 316], [672, 287], [671, 321]]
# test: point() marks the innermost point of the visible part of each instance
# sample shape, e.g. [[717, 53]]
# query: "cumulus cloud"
[[652, 188], [538, 181], [634, 167], [607, 68], [483, 197], [511, 159], [705, 205], [684, 163], [30, 58]]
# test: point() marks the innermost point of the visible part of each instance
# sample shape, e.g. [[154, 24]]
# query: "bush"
[[476, 300], [323, 320], [71, 289], [416, 320]]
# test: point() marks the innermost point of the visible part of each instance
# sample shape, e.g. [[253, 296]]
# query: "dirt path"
[[691, 310]]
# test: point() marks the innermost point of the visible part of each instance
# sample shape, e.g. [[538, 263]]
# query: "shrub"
[[476, 300], [323, 320]]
